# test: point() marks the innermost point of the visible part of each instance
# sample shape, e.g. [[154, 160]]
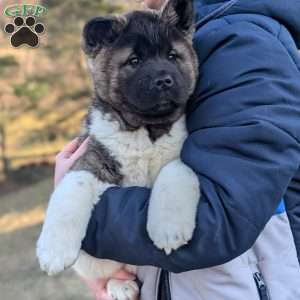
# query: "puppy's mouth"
[[162, 109], [165, 108]]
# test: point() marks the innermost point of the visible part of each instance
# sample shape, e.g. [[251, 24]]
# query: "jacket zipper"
[[261, 286], [164, 290]]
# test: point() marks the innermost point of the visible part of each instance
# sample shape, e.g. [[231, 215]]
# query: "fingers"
[[124, 275], [81, 149], [96, 284], [98, 288], [71, 146], [103, 296], [67, 151], [72, 149], [154, 4]]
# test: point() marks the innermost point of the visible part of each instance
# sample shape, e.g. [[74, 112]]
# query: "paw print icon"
[[24, 31]]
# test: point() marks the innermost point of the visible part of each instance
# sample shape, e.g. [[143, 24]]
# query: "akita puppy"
[[144, 71]]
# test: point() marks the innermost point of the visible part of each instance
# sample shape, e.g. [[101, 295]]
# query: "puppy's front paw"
[[169, 233], [122, 289], [56, 252], [173, 206]]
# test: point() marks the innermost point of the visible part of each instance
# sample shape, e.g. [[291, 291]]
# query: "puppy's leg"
[[122, 289], [92, 268], [172, 207], [71, 205], [66, 220]]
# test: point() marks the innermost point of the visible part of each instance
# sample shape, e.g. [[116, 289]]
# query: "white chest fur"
[[141, 159]]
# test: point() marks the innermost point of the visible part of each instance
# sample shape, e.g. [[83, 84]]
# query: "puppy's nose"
[[164, 82]]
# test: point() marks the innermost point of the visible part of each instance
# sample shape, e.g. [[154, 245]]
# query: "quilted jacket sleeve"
[[243, 143]]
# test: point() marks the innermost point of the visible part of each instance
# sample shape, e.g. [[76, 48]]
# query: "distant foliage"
[[31, 90], [6, 63], [45, 91]]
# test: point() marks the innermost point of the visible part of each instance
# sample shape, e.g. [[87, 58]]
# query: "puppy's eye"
[[134, 61], [172, 55]]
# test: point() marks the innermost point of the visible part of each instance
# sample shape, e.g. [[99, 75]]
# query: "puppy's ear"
[[100, 32], [179, 13]]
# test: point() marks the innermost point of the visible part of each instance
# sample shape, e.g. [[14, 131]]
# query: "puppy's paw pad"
[[170, 236], [122, 289]]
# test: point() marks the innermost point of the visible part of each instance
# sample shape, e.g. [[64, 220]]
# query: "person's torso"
[[268, 271]]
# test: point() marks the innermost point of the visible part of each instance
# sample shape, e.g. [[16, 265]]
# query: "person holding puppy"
[[244, 145]]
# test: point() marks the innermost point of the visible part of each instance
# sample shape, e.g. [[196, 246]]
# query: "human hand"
[[154, 4], [65, 159], [98, 286]]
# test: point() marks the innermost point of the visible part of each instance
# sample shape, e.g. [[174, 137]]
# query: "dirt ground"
[[21, 215]]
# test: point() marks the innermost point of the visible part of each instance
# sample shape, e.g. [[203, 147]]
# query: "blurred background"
[[44, 93]]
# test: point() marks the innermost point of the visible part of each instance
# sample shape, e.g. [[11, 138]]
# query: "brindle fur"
[[100, 163], [136, 128], [151, 34]]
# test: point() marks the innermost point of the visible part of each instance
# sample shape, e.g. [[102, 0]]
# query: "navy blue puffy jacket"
[[244, 141]]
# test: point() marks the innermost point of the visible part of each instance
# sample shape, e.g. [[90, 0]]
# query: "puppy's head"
[[143, 64]]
